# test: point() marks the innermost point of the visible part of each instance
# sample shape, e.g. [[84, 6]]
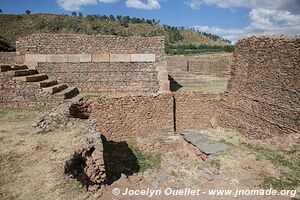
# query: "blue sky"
[[231, 19]]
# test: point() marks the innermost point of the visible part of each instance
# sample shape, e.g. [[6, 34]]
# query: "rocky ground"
[[32, 165]]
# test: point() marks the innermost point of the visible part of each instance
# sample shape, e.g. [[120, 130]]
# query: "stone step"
[[69, 93], [55, 89], [5, 68], [25, 72], [31, 78], [47, 83], [18, 67]]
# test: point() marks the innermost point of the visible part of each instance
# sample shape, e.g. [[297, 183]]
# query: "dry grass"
[[31, 166]]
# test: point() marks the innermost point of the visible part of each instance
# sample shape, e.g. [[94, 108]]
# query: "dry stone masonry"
[[98, 63], [8, 58], [264, 88], [127, 117], [204, 70], [20, 86]]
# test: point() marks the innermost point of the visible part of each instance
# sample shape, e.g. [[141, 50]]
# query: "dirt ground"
[[32, 165]]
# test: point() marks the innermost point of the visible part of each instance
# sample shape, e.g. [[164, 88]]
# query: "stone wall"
[[207, 73], [126, 117], [209, 64], [194, 111], [89, 44], [97, 63], [14, 94], [264, 88], [7, 57], [134, 78]]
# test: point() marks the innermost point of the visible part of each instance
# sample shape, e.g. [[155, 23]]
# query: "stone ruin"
[[262, 98]]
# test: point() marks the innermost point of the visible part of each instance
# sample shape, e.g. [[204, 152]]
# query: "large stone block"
[[120, 58], [100, 58], [142, 57], [73, 57], [35, 58], [85, 58], [164, 87], [57, 58], [31, 64]]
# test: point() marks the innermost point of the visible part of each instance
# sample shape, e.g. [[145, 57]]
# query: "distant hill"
[[15, 26]]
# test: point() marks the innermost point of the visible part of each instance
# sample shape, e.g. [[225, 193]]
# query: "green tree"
[[27, 12], [0, 10], [74, 14], [80, 14]]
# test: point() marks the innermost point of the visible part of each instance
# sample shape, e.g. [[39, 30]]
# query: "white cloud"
[[108, 1], [290, 5], [262, 22], [75, 5], [275, 17], [194, 4], [139, 4]]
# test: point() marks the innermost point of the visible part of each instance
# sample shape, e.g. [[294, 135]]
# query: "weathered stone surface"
[[31, 78], [8, 57], [194, 110], [127, 117], [85, 58], [90, 44], [73, 58], [93, 72], [203, 144], [263, 91], [55, 88], [142, 57], [87, 157], [110, 78], [35, 58], [120, 58], [57, 58], [100, 57]]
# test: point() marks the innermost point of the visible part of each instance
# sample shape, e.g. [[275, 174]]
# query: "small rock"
[[157, 144], [98, 194], [135, 179], [38, 130], [123, 176], [93, 188]]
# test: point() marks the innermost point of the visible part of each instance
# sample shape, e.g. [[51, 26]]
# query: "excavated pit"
[[87, 164]]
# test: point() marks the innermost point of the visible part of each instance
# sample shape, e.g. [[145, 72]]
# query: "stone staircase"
[[22, 75]]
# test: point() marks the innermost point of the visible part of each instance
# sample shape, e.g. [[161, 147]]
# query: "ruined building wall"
[[97, 63], [194, 110], [7, 57], [210, 64], [13, 94], [127, 117], [264, 88]]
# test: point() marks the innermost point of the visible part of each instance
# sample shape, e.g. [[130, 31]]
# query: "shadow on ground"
[[119, 159]]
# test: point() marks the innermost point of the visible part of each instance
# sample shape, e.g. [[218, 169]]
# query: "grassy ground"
[[282, 160], [31, 166]]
